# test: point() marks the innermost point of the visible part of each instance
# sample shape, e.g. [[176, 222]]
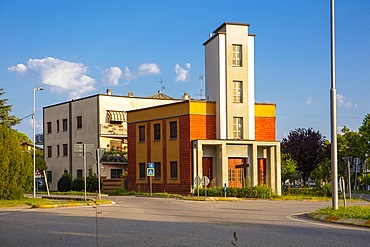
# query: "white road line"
[[333, 225], [4, 213]]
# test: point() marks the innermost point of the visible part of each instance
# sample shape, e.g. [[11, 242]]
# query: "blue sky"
[[80, 48]]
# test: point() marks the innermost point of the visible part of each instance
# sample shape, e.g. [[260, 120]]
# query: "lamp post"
[[34, 138]]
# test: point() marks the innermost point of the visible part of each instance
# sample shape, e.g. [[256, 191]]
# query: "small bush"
[[263, 192], [78, 184], [64, 183]]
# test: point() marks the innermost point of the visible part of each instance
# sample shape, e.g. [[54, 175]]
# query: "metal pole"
[[34, 142], [34, 138], [84, 154], [333, 113], [98, 168], [349, 177]]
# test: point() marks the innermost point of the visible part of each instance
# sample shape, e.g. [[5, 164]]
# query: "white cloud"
[[342, 101], [148, 69], [112, 75], [182, 74], [309, 101], [62, 76], [19, 68]]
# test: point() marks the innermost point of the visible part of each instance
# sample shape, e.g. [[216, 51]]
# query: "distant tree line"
[[306, 153]]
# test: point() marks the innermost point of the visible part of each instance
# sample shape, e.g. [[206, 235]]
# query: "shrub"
[[263, 192], [64, 183], [78, 184]]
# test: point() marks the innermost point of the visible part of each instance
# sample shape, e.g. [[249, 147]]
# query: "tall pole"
[[333, 113], [34, 138]]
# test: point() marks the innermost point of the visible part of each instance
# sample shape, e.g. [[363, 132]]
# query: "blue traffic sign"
[[150, 172], [150, 165]]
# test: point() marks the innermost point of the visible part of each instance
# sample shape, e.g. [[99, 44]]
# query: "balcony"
[[114, 157], [113, 130]]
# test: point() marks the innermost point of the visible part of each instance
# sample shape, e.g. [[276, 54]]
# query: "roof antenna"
[[162, 86], [201, 91]]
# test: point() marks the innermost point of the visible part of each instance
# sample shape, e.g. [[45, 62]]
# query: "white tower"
[[230, 80]]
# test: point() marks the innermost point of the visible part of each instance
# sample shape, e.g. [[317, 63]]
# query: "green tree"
[[364, 132], [5, 118], [306, 147], [288, 169], [15, 165]]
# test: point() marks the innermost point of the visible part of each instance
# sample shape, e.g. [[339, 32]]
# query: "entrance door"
[[236, 172], [207, 165], [261, 171]]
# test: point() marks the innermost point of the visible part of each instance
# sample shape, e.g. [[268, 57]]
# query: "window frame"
[[65, 150], [173, 130], [79, 122], [117, 172], [48, 128], [141, 133], [237, 128], [157, 132], [79, 173], [142, 171], [174, 170], [65, 124], [157, 170], [57, 126], [49, 151], [237, 55], [237, 91]]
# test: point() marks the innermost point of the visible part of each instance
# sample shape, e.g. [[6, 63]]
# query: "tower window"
[[237, 55], [238, 128], [237, 91]]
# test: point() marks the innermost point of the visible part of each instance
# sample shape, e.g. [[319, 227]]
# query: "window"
[[173, 130], [65, 149], [157, 132], [65, 127], [173, 169], [49, 175], [238, 128], [48, 127], [115, 173], [57, 125], [237, 92], [79, 173], [79, 122], [237, 55], [231, 175], [58, 150], [157, 170], [142, 171], [50, 153], [142, 133]]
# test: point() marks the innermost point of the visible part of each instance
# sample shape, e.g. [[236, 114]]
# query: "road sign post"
[[150, 173]]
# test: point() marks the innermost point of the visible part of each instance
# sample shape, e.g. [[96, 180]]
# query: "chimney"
[[109, 92], [130, 94], [186, 96]]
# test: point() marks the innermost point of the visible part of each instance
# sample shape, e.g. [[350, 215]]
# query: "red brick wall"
[[265, 129], [131, 142], [202, 127]]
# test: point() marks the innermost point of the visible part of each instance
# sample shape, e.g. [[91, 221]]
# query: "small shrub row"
[[308, 191], [66, 183], [263, 192]]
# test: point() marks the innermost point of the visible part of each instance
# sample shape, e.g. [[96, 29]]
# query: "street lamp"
[[34, 138]]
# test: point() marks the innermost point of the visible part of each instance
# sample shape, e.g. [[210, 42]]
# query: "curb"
[[339, 220]]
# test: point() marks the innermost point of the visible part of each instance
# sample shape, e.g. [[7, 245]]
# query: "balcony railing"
[[114, 156], [113, 129]]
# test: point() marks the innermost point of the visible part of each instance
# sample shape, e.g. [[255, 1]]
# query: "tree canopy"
[[307, 148], [5, 118]]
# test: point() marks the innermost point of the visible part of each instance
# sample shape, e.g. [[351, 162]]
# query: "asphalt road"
[[140, 221]]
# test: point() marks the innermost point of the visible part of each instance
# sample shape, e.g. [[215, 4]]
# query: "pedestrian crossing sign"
[[150, 172]]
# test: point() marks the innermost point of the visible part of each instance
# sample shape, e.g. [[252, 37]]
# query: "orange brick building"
[[227, 138]]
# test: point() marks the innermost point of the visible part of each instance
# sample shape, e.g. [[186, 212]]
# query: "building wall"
[[93, 110], [195, 120], [265, 122]]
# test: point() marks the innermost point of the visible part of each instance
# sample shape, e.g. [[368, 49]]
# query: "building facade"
[[99, 120], [232, 142]]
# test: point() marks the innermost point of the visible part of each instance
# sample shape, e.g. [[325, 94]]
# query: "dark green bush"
[[263, 192], [64, 183], [78, 184]]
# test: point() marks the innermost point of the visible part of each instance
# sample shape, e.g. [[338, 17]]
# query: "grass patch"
[[45, 203], [353, 212]]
